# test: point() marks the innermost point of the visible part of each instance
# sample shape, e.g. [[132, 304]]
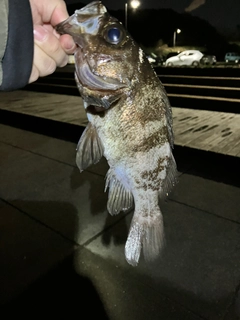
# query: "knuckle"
[[43, 62], [54, 47], [57, 53]]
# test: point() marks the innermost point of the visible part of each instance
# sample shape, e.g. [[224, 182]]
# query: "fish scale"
[[130, 124]]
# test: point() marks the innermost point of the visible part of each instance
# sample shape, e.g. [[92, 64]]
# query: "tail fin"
[[146, 232]]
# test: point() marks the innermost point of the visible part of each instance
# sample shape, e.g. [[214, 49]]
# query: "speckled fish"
[[130, 124]]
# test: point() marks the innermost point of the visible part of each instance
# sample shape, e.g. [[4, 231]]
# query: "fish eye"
[[113, 35]]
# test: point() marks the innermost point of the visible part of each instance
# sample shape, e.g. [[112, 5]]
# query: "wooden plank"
[[199, 129], [206, 131], [49, 106]]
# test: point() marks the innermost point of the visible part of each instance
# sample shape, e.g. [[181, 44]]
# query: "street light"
[[174, 36], [134, 4]]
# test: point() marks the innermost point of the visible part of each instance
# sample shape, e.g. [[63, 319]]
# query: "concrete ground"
[[62, 254]]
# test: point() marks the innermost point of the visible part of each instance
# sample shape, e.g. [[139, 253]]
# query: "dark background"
[[213, 25]]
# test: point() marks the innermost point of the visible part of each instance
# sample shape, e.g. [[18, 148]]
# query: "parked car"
[[172, 54], [208, 59], [154, 59], [232, 57], [185, 58]]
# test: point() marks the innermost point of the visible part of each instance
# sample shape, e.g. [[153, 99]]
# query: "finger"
[[53, 12], [67, 43], [66, 40], [59, 13], [43, 62], [50, 29], [50, 45], [34, 74]]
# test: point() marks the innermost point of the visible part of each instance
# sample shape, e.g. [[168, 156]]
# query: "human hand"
[[50, 49]]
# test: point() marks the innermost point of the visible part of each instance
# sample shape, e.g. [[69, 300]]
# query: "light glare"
[[135, 4]]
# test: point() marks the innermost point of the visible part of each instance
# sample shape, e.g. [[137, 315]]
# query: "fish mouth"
[[99, 92], [96, 82], [85, 65]]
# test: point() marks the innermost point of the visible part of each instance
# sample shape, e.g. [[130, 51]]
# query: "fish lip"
[[69, 26], [75, 23], [66, 27], [63, 26], [101, 92], [60, 28]]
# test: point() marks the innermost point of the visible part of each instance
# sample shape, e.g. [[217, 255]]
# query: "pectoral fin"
[[89, 148]]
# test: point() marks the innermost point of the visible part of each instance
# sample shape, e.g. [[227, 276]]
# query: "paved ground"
[[61, 253]]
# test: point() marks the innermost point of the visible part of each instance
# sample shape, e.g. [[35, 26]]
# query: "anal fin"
[[119, 198], [89, 148]]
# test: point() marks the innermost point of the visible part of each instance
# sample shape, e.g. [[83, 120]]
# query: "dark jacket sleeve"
[[17, 59]]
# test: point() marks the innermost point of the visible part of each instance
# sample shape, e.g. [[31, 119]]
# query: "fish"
[[129, 123]]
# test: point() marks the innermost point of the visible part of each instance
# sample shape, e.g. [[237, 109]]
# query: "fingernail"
[[68, 42], [70, 46], [39, 33]]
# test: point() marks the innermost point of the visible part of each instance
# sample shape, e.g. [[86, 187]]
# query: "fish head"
[[106, 57]]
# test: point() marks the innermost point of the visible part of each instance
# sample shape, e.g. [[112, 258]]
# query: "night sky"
[[222, 14]]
